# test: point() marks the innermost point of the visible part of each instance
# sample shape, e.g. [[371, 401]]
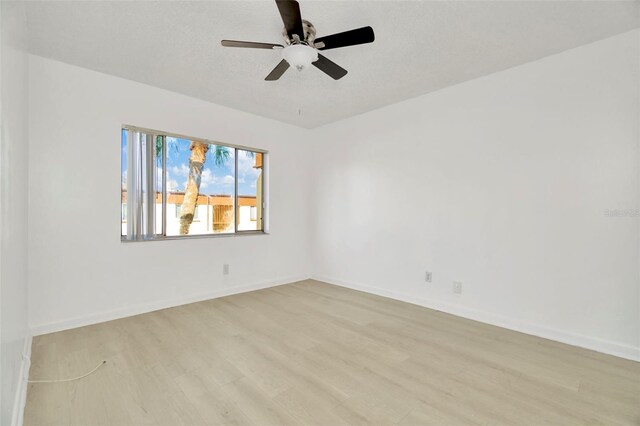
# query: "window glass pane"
[[159, 141], [200, 188], [123, 183], [250, 167]]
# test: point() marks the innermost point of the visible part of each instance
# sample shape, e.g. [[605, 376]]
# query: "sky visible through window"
[[216, 179]]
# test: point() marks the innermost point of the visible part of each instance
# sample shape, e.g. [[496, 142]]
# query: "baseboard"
[[156, 305], [587, 342], [21, 392]]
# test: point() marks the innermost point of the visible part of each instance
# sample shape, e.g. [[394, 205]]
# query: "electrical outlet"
[[225, 269], [457, 287], [428, 277]]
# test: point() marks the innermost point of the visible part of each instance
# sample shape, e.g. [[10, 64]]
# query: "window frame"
[[162, 234]]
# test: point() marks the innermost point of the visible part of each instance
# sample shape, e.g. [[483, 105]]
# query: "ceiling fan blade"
[[348, 38], [278, 71], [250, 44], [290, 12], [330, 68]]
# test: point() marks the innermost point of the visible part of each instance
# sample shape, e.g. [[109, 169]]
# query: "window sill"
[[197, 237]]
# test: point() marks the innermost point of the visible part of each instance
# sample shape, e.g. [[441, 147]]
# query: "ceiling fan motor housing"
[[309, 34]]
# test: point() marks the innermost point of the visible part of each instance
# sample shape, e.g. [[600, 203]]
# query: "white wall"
[[88, 275], [501, 183], [13, 207]]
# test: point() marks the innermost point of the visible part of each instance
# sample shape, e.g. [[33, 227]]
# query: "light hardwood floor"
[[312, 353]]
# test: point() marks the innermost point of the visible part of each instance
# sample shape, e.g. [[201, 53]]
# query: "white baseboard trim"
[[156, 305], [587, 342], [20, 400]]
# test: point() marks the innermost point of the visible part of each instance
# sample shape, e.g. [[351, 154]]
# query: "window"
[[174, 186], [249, 191]]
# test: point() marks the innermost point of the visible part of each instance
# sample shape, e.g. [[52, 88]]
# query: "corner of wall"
[[14, 334]]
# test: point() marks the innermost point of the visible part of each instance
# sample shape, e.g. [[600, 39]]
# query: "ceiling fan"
[[302, 46]]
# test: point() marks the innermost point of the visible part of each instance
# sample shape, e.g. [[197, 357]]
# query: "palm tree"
[[196, 163]]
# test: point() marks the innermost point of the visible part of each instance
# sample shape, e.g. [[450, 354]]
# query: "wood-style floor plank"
[[316, 354]]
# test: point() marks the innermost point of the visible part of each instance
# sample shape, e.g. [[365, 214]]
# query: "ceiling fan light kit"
[[301, 50], [300, 56]]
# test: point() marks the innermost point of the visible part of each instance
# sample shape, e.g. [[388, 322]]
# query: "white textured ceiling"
[[420, 46]]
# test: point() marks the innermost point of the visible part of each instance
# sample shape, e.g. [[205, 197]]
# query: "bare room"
[[341, 212]]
